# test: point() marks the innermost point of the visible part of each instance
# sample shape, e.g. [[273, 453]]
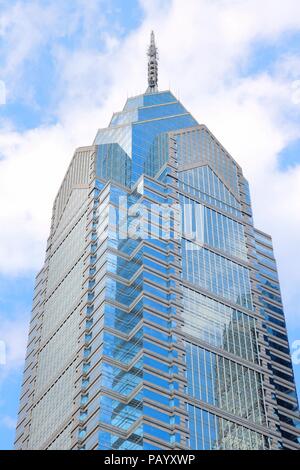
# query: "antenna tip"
[[152, 66]]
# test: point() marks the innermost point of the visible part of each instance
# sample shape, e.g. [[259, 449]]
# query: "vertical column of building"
[[280, 375], [90, 343], [165, 415], [27, 391], [268, 396]]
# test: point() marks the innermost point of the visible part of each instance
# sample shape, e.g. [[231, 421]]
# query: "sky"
[[65, 67]]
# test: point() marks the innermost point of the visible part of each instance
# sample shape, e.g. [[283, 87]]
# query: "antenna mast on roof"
[[152, 66]]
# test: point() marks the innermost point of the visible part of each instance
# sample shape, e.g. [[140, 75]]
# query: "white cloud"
[[2, 93], [13, 332], [205, 46], [8, 422], [32, 161]]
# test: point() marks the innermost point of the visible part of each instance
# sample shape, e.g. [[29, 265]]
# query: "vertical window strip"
[[210, 432], [213, 374]]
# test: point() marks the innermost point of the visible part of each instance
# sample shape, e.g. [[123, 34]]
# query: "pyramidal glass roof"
[[143, 119], [148, 107]]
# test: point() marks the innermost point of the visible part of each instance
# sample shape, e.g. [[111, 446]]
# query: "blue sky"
[[68, 65]]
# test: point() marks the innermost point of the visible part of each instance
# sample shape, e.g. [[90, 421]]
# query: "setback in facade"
[[157, 318]]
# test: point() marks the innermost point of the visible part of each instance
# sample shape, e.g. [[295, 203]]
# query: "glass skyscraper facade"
[[157, 318]]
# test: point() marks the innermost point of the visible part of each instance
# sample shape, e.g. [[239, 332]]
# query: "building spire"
[[152, 66]]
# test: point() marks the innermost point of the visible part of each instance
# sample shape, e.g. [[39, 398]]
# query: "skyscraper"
[[157, 318]]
